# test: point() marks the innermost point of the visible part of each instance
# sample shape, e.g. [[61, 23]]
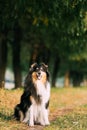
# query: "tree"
[[51, 24], [16, 49], [3, 43], [3, 60]]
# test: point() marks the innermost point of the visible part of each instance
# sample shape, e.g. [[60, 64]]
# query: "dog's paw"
[[42, 123], [47, 123], [31, 124], [25, 121]]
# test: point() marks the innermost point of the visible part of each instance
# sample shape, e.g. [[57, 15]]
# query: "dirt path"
[[59, 112]]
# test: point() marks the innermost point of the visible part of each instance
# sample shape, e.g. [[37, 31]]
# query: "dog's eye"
[[41, 68], [37, 68]]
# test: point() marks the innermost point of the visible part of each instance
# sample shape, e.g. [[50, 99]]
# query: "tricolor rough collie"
[[34, 103]]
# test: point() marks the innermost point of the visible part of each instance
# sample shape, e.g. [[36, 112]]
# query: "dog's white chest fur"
[[37, 113], [39, 110], [43, 91]]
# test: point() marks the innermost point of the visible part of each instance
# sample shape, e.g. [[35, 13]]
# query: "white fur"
[[37, 112]]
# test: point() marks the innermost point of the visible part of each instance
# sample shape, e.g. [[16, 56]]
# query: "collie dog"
[[34, 103]]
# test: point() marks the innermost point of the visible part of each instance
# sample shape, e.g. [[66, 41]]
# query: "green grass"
[[72, 121], [76, 119], [68, 109]]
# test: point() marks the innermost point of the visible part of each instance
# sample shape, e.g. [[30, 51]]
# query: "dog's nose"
[[39, 73]]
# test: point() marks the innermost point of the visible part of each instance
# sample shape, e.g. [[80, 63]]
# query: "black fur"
[[29, 89]]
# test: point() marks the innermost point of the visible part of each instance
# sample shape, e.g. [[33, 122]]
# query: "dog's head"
[[39, 72]]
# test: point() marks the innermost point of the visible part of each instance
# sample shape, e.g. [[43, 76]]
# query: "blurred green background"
[[49, 31]]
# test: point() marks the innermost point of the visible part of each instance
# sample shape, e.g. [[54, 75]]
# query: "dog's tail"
[[18, 114]]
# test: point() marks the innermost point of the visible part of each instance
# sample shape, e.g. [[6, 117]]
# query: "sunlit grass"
[[72, 121], [74, 102], [68, 109]]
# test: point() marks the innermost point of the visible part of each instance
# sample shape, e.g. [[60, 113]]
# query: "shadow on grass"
[[5, 117]]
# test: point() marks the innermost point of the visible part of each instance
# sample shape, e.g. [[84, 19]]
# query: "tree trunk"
[[34, 54], [77, 78], [67, 79], [39, 53], [3, 59], [16, 49], [55, 71], [16, 65], [45, 54], [85, 81]]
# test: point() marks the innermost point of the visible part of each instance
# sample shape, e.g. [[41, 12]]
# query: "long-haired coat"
[[34, 103]]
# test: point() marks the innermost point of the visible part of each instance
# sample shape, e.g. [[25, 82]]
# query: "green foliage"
[[59, 25]]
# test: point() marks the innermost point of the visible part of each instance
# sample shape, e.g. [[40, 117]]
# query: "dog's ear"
[[33, 65], [46, 68], [44, 65]]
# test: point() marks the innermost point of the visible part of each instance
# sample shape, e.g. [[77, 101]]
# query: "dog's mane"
[[29, 86]]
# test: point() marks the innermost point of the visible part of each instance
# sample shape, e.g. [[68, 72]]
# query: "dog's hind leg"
[[18, 114], [21, 115], [26, 119]]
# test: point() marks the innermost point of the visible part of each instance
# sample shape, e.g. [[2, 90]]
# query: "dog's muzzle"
[[39, 75]]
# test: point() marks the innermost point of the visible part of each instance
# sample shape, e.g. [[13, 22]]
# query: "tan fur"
[[21, 115], [43, 79], [34, 77], [32, 99]]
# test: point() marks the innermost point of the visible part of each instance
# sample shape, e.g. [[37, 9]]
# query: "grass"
[[68, 109], [72, 121]]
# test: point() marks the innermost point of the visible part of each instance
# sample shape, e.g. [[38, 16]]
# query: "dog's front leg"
[[46, 117], [31, 116]]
